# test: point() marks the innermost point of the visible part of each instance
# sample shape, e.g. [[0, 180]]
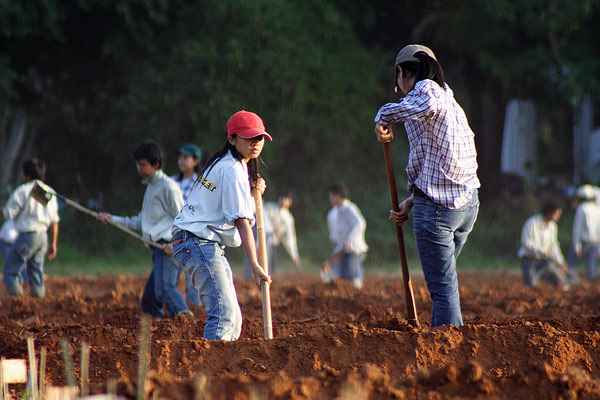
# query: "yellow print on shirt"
[[207, 184]]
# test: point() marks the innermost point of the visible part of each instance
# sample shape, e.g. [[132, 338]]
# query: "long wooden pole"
[[43, 196], [264, 262], [32, 368], [411, 308]]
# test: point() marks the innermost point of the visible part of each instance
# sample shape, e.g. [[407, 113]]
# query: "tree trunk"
[[11, 144]]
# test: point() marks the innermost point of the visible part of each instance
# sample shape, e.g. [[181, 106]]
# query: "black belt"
[[418, 192]]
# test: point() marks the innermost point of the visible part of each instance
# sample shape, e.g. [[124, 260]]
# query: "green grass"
[[87, 249]]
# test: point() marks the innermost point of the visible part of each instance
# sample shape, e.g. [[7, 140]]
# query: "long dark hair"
[[253, 164], [425, 68]]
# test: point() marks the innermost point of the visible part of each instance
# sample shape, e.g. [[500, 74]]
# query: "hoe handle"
[[264, 262], [94, 214], [411, 308]]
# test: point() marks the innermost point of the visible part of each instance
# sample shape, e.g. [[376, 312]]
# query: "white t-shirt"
[[586, 225], [29, 214], [217, 201], [279, 223], [347, 228], [539, 241]]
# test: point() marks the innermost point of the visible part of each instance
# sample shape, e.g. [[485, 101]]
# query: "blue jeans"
[[440, 234], [191, 294], [534, 270], [26, 256], [589, 252], [161, 287], [5, 249], [204, 261], [349, 266]]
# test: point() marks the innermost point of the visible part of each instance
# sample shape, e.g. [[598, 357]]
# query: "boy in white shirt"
[[347, 228], [279, 229], [541, 257], [586, 231], [162, 202], [33, 221]]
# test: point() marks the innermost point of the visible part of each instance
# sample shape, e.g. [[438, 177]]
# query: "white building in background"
[[586, 144], [518, 140], [519, 147]]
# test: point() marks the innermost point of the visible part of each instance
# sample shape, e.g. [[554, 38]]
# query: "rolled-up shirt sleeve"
[[417, 105]]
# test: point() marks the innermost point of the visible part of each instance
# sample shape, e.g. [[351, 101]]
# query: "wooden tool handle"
[[263, 260], [411, 308], [94, 214]]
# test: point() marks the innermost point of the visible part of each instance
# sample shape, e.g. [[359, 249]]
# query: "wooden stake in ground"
[[32, 368], [411, 308], [264, 262], [42, 376], [144, 356], [85, 364], [68, 362]]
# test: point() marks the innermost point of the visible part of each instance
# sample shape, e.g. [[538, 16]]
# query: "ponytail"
[[425, 68]]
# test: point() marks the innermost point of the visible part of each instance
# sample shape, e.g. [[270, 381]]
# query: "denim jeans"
[[161, 287], [27, 256], [349, 266], [536, 269], [440, 234], [191, 294], [204, 261], [589, 252]]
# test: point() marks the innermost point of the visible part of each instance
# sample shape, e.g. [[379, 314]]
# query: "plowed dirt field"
[[330, 340]]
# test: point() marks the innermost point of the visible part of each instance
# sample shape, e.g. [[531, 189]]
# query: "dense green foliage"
[[96, 77]]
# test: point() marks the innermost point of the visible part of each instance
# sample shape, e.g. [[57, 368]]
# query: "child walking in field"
[[442, 173], [188, 161], [37, 227], [220, 213], [347, 228], [279, 229], [162, 202]]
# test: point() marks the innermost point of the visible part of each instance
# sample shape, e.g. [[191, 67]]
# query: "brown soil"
[[331, 341]]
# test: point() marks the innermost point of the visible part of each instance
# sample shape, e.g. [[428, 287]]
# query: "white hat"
[[586, 192]]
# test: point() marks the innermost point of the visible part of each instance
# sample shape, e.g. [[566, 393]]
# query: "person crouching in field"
[[162, 202], [219, 213], [541, 257], [442, 173], [33, 221]]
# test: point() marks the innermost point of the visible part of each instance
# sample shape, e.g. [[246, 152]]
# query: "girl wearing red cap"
[[442, 173], [219, 213]]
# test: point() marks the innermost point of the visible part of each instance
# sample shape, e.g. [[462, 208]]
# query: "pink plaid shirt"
[[442, 159]]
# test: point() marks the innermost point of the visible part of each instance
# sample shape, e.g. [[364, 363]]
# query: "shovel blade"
[[40, 195]]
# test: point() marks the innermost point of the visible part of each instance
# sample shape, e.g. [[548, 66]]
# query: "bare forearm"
[[248, 242], [53, 233]]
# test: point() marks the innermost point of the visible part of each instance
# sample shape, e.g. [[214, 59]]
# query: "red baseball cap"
[[246, 124]]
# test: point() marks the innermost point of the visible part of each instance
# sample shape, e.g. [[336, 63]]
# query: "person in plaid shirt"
[[442, 173]]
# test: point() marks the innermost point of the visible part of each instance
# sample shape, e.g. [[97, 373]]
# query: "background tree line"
[[82, 82]]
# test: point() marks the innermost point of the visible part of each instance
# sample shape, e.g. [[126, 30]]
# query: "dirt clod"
[[330, 341]]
